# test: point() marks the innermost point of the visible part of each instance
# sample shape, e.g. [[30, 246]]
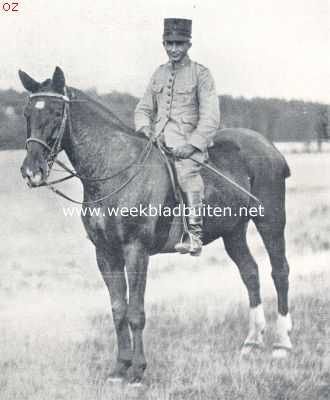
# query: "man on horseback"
[[180, 107]]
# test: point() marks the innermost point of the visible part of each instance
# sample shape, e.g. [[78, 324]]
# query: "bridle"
[[56, 148]]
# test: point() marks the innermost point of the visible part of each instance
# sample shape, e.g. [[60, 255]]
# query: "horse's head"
[[46, 114]]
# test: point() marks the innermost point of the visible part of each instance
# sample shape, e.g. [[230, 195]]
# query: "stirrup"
[[184, 247]]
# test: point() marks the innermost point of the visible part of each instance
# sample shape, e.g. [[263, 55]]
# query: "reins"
[[215, 171], [147, 150]]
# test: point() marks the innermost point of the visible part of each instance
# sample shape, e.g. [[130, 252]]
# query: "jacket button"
[[169, 87], [169, 94]]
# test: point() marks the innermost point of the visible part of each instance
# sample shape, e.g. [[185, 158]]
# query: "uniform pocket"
[[187, 89], [186, 95]]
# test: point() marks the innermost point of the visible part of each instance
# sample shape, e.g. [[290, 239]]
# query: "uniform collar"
[[185, 61]]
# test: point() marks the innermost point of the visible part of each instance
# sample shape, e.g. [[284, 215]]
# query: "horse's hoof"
[[250, 349], [110, 386], [119, 373], [136, 385], [135, 379], [246, 351], [136, 390], [280, 353], [115, 379]]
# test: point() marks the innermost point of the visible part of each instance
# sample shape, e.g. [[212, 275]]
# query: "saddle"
[[169, 162], [178, 193]]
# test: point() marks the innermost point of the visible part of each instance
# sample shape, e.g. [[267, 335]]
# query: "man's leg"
[[192, 185]]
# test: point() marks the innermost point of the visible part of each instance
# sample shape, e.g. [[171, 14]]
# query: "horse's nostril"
[[29, 173], [28, 182]]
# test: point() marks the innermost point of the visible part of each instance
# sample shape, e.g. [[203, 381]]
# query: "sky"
[[268, 48]]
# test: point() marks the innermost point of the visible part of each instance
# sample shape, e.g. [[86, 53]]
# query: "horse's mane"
[[117, 123]]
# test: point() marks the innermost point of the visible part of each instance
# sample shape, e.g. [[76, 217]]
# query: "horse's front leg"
[[111, 266], [136, 259]]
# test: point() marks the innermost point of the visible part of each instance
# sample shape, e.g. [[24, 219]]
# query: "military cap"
[[177, 29]]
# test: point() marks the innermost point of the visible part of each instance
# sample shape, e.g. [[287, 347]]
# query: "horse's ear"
[[58, 80], [29, 83]]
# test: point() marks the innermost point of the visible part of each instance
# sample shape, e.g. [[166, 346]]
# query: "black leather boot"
[[192, 241]]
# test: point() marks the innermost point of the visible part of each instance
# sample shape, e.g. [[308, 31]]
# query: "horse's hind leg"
[[273, 238], [111, 266], [237, 248], [271, 228]]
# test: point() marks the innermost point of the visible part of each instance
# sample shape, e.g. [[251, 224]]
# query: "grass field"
[[57, 337]]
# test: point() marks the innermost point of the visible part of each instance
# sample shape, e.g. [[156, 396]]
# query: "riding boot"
[[192, 241]]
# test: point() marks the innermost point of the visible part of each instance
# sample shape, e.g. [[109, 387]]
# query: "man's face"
[[176, 50]]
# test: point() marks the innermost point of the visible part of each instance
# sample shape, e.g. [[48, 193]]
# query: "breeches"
[[188, 172]]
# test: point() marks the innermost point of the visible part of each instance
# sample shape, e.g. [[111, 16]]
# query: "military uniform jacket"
[[181, 103]]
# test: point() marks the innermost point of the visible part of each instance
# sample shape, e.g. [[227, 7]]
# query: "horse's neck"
[[95, 146]]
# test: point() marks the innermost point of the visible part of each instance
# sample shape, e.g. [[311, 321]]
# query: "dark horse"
[[99, 145]]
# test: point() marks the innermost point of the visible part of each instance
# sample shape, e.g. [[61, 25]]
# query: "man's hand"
[[148, 132], [184, 151]]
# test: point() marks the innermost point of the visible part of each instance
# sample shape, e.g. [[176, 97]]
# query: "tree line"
[[278, 119]]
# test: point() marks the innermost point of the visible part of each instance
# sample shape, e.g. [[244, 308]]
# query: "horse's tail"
[[286, 172]]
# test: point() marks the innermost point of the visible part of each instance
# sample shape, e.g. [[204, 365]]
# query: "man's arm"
[[209, 112], [145, 111]]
